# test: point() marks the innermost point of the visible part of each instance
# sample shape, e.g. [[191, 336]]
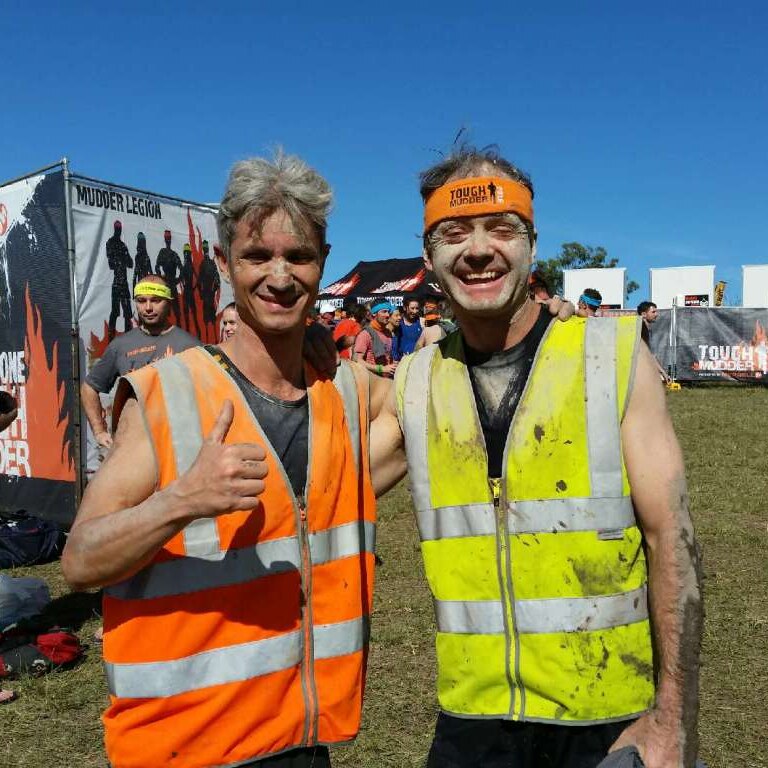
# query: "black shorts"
[[466, 743], [311, 757]]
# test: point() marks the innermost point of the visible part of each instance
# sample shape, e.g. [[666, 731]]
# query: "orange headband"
[[478, 197]]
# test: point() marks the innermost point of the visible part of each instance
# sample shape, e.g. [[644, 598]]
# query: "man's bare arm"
[[388, 466], [95, 414], [667, 736], [123, 520]]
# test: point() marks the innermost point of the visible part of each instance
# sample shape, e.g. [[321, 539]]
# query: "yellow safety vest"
[[538, 577]]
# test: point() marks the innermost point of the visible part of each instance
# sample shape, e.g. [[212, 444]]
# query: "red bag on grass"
[[37, 654]]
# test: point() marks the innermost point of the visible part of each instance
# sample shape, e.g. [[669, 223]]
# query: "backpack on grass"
[[25, 540]]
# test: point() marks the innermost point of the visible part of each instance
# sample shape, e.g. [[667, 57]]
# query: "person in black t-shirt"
[[649, 312]]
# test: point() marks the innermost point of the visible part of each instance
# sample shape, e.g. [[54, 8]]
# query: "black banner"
[[721, 344], [37, 466], [390, 279]]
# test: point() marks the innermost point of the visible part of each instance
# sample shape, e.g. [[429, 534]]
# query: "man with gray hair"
[[232, 524]]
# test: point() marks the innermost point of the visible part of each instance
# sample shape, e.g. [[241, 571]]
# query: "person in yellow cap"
[[153, 337]]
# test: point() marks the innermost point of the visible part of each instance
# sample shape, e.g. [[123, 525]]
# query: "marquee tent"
[[390, 279]]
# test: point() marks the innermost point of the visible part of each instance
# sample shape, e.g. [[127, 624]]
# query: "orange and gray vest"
[[247, 633], [539, 576]]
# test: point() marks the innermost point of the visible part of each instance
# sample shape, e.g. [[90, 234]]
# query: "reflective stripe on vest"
[[565, 614], [603, 428], [414, 420], [233, 663], [201, 536], [544, 516], [245, 564], [347, 388]]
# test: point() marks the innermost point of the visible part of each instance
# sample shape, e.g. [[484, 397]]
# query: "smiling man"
[[153, 339], [558, 547], [232, 524]]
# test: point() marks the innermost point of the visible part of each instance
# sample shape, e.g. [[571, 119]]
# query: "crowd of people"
[[232, 527], [378, 335]]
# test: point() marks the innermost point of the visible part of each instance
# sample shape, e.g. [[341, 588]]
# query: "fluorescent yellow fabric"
[[539, 594]]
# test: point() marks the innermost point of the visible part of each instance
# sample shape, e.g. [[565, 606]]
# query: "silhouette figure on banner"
[[188, 285], [143, 262], [208, 284], [120, 261], [168, 266]]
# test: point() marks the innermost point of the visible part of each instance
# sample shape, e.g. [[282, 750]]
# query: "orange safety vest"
[[247, 633]]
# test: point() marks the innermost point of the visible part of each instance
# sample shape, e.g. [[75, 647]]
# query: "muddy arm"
[[667, 736]]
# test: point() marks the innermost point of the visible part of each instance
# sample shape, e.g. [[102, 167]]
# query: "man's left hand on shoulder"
[[558, 307]]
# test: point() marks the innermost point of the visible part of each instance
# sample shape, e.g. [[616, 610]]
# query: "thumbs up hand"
[[223, 478]]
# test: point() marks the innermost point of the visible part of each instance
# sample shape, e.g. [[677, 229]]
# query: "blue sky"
[[644, 127]]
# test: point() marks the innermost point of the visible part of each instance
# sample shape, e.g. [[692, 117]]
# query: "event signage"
[[58, 314], [122, 235], [391, 279], [37, 457], [721, 343]]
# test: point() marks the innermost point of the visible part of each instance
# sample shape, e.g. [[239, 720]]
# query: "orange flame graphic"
[[49, 449], [342, 287], [413, 282], [759, 342], [208, 333], [98, 344]]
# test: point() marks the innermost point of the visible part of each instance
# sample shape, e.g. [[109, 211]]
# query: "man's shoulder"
[[189, 356], [364, 338], [184, 338]]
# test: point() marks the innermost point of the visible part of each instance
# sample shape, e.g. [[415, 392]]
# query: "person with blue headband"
[[589, 303], [373, 346]]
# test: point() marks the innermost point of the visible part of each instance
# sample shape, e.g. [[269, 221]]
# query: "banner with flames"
[[391, 279], [721, 343], [37, 460], [122, 235]]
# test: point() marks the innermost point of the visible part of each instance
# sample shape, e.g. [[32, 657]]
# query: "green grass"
[[55, 721]]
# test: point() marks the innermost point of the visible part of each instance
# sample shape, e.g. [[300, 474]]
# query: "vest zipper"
[[307, 674], [308, 662], [512, 643]]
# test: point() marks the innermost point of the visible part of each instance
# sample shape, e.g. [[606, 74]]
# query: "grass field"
[[724, 431]]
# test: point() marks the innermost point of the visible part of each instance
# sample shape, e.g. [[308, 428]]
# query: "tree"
[[576, 256]]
